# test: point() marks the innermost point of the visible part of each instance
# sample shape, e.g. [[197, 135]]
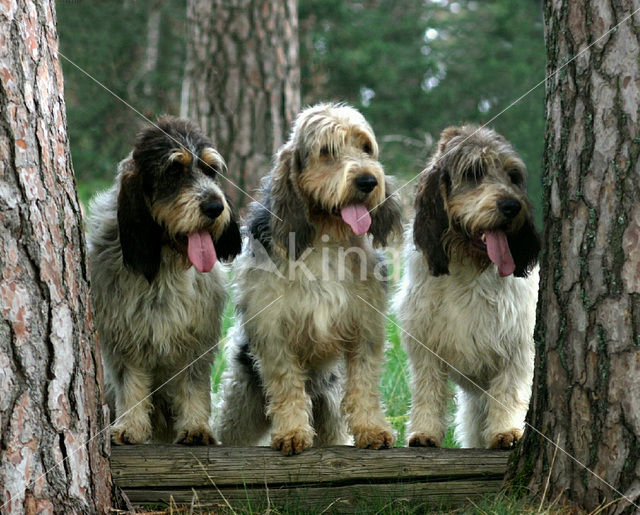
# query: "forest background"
[[412, 68]]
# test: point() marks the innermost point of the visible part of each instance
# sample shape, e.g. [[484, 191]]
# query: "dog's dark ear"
[[140, 235], [386, 219], [525, 247], [229, 243], [290, 209], [431, 220]]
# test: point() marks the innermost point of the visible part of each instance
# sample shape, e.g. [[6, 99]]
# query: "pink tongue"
[[358, 217], [499, 253], [201, 251]]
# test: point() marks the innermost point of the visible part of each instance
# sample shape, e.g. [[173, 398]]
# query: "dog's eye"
[[367, 148], [516, 178], [474, 173], [324, 151], [174, 169], [210, 170]]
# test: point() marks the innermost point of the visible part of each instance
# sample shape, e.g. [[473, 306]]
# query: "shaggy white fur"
[[472, 328]]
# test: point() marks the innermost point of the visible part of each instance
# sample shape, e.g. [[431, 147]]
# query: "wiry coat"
[[304, 338], [461, 319], [155, 314]]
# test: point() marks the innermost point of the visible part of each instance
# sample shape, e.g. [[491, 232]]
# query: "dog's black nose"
[[509, 207], [366, 182], [212, 208]]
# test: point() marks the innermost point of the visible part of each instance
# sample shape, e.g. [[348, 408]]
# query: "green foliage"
[[414, 68], [109, 42]]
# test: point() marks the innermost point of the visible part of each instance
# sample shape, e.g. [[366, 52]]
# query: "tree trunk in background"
[[150, 61], [586, 393], [51, 410], [243, 81]]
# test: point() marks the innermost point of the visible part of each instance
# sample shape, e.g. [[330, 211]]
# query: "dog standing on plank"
[[154, 239], [308, 366], [467, 299]]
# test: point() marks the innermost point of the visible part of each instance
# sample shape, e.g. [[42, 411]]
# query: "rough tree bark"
[[53, 457], [586, 393], [242, 81]]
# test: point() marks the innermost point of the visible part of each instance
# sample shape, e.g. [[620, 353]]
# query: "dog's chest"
[[172, 310], [327, 316], [319, 299], [475, 321]]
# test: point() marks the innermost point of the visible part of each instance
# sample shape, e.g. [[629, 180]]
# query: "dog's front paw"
[[422, 440], [374, 437], [127, 434], [292, 442], [197, 436], [506, 440]]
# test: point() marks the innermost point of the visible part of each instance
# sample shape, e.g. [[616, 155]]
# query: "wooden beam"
[[341, 477]]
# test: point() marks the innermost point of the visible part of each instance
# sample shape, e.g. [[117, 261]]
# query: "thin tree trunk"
[[150, 61], [586, 393], [53, 457], [243, 80]]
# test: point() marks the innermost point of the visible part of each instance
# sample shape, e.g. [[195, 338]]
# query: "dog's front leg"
[[289, 405], [133, 405], [361, 404], [430, 394], [507, 401], [192, 405]]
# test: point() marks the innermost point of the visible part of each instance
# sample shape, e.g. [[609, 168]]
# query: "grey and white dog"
[[154, 239], [468, 295]]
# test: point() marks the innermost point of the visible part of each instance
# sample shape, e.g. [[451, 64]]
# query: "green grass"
[[502, 503], [394, 385], [220, 361]]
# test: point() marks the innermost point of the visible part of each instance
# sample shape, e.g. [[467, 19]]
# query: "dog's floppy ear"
[[229, 243], [140, 235], [386, 218], [431, 220], [525, 247], [447, 135], [290, 209]]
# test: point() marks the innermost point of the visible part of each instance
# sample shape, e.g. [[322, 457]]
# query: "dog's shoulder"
[[259, 225], [259, 217]]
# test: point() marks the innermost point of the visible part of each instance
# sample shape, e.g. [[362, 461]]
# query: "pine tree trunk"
[[53, 457], [243, 81], [586, 393]]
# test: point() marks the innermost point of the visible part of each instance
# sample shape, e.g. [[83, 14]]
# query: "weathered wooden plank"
[[360, 498], [170, 466]]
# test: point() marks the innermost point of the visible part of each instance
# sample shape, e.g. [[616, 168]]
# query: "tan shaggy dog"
[[307, 351], [154, 239], [468, 295]]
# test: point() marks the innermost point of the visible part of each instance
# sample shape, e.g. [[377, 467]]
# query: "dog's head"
[[327, 180], [170, 195], [472, 204]]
